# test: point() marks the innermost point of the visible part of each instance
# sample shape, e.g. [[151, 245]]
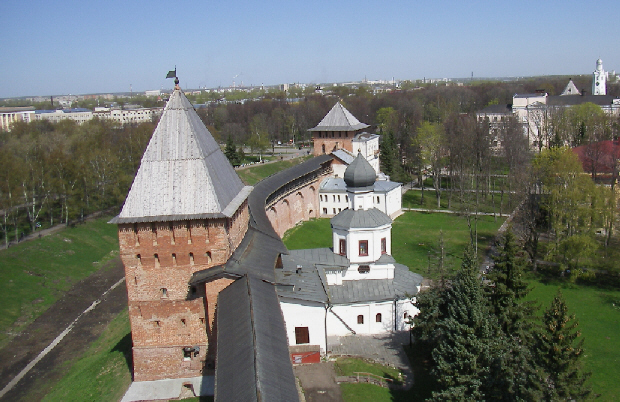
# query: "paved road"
[[34, 339]]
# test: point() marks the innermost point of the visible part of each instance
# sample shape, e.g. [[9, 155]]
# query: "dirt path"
[[34, 339]]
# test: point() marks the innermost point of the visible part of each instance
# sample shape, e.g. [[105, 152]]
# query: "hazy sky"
[[78, 47]]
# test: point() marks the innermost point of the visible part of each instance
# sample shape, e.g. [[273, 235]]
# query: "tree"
[[513, 374], [231, 152], [259, 134], [464, 351], [559, 354], [508, 289], [430, 140], [569, 199]]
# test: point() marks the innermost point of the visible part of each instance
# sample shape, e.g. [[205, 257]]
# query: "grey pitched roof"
[[404, 284], [344, 155], [383, 186], [324, 257], [183, 174], [337, 185], [350, 219], [570, 89], [303, 280], [339, 119], [253, 362], [601, 100], [497, 109]]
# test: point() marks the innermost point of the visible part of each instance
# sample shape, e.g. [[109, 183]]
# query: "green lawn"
[[103, 373], [36, 273], [256, 173], [491, 203], [415, 237], [349, 366], [598, 314], [315, 233]]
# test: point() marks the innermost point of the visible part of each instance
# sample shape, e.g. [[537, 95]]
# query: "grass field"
[[103, 373], [493, 202], [415, 237], [598, 314], [36, 273], [256, 173]]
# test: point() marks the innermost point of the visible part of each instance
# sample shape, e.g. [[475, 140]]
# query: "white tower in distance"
[[598, 79]]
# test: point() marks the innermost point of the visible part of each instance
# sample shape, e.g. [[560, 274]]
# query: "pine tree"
[[513, 372], [231, 152], [508, 289], [463, 353], [559, 355]]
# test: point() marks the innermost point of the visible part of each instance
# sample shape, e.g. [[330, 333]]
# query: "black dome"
[[359, 173]]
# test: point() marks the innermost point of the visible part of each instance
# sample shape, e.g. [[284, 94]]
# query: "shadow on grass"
[[124, 346]]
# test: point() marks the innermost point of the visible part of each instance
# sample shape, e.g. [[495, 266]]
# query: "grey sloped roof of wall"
[[253, 362], [183, 173]]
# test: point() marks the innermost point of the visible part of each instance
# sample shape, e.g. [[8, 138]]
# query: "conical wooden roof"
[[183, 174], [339, 119]]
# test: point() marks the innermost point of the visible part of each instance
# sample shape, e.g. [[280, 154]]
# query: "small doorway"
[[302, 335]]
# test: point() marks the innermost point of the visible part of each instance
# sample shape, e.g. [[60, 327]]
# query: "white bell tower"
[[599, 79]]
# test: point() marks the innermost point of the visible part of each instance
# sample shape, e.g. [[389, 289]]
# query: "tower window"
[[378, 317], [363, 269], [383, 245], [360, 319], [363, 248], [343, 247], [164, 292]]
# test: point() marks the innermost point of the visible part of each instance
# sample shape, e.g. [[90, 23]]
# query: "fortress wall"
[[299, 205]]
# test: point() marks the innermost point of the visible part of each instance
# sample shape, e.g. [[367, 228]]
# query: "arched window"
[[378, 317], [360, 319]]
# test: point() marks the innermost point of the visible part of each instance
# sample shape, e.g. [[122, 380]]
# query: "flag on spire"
[[172, 73]]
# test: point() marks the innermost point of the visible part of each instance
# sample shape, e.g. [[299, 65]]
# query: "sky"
[[82, 47]]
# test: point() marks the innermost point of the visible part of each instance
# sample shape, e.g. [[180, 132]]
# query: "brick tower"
[[337, 130], [186, 211]]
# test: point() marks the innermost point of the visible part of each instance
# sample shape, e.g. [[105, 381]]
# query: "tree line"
[[54, 173]]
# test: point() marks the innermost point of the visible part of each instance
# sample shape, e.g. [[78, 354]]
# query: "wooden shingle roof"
[[183, 173]]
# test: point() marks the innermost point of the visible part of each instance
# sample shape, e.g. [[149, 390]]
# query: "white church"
[[356, 287]]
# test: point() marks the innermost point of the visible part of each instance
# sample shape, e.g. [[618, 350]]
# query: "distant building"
[[9, 115], [155, 92], [533, 110], [79, 115], [599, 79]]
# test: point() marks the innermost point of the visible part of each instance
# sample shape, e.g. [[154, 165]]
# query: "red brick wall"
[[344, 141], [300, 205], [159, 259]]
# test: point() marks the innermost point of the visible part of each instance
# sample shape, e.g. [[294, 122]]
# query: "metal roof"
[[404, 284], [370, 218], [339, 119], [183, 174], [253, 362], [344, 155], [563, 100]]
